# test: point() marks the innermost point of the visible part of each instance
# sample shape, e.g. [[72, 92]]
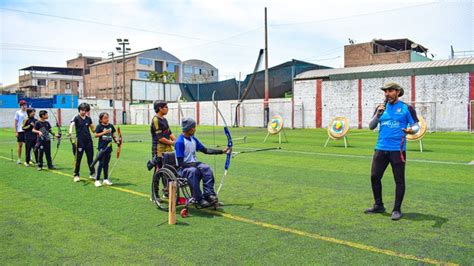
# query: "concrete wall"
[[441, 99], [8, 114], [251, 112]]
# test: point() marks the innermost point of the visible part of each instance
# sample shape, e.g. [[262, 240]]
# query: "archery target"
[[421, 133], [338, 127], [275, 125]]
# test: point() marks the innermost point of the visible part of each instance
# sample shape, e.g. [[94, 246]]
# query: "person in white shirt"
[[20, 115]]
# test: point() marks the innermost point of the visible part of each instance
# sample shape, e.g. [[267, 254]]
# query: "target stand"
[[275, 126], [420, 134], [337, 129]]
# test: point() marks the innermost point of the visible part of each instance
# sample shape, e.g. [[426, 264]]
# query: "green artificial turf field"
[[302, 204]]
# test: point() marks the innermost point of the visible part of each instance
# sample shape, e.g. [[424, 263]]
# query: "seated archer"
[[193, 170]]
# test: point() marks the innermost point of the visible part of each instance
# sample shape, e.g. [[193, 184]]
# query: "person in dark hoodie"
[[43, 130], [30, 136]]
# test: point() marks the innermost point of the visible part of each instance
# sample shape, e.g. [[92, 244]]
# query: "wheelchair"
[[161, 178]]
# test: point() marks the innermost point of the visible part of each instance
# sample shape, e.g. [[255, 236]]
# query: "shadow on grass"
[[420, 217], [178, 223], [211, 212], [123, 184], [418, 150], [438, 220]]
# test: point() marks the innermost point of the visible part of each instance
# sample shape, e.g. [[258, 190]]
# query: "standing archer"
[[396, 119], [20, 116], [161, 135], [43, 129], [83, 125], [30, 136], [106, 134]]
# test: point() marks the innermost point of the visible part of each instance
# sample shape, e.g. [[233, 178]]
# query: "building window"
[[68, 86], [212, 73], [143, 74], [188, 69], [41, 82], [170, 67], [200, 71], [145, 62]]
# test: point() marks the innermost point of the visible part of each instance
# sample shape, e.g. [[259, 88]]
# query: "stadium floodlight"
[[123, 50]]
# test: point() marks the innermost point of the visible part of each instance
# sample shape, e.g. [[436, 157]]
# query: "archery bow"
[[229, 143], [119, 148], [180, 111], [58, 144]]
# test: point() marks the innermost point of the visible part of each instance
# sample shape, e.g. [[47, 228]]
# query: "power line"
[[26, 47], [229, 37], [117, 26], [352, 16]]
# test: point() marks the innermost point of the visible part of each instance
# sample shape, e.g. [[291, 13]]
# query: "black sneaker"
[[397, 215], [204, 203], [212, 199], [375, 209], [52, 168]]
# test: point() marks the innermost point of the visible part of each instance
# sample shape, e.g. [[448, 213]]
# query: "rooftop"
[[400, 69]]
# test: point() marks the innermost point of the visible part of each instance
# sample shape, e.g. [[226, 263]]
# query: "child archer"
[[83, 123], [193, 170], [30, 136], [43, 129], [162, 137], [106, 134]]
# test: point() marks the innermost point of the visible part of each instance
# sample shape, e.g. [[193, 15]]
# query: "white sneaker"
[[97, 183], [77, 178], [27, 165], [107, 182], [92, 177], [18, 162]]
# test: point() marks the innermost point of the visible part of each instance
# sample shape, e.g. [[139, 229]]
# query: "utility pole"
[[266, 109], [113, 87], [123, 50]]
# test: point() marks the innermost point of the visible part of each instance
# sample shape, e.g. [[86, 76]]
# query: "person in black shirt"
[[83, 124], [106, 134], [30, 136], [161, 136], [43, 129]]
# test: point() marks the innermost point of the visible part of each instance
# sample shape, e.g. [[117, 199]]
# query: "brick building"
[[103, 75], [384, 52], [45, 81]]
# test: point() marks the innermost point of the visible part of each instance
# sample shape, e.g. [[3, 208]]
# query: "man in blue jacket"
[[395, 119]]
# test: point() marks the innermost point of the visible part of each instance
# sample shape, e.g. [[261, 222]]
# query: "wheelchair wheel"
[[185, 189], [164, 176]]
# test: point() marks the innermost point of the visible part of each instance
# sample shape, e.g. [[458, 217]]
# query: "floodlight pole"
[[266, 109], [123, 50], [113, 87]]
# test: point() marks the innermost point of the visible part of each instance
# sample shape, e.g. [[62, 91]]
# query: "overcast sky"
[[227, 34]]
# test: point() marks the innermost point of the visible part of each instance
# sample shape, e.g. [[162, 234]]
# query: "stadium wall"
[[442, 99]]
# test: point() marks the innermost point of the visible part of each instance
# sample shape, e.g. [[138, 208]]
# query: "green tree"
[[165, 77]]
